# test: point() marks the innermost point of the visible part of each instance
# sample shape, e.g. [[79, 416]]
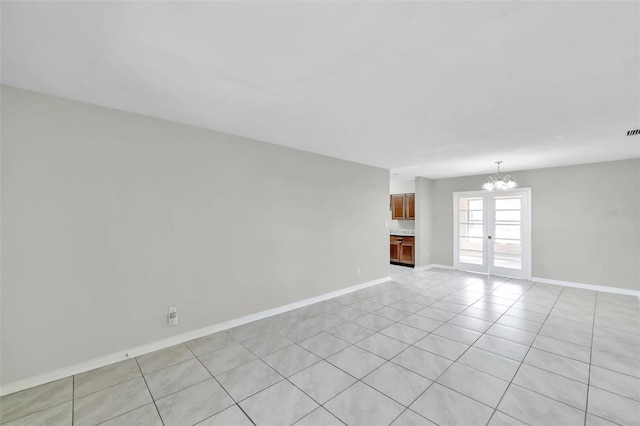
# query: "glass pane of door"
[[471, 230], [492, 232], [507, 238]]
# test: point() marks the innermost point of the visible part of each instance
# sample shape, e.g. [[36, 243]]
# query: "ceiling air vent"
[[633, 132]]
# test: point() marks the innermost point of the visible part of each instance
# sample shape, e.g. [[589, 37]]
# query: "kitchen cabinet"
[[402, 249], [395, 249], [403, 206], [410, 206]]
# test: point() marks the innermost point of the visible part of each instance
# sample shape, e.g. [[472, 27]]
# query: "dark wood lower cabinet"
[[402, 250], [395, 251]]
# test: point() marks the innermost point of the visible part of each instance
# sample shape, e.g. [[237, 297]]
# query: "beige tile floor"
[[431, 347]]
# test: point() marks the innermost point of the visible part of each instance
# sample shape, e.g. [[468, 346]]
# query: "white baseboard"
[[593, 287], [174, 340], [433, 265], [602, 288]]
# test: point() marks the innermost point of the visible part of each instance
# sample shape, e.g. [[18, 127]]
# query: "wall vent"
[[633, 132]]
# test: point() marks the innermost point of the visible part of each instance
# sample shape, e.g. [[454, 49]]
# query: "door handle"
[[489, 237]]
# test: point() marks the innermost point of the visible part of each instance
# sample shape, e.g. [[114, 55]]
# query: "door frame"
[[526, 229]]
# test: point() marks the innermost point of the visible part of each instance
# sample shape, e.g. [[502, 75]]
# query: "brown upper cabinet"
[[403, 206], [410, 206]]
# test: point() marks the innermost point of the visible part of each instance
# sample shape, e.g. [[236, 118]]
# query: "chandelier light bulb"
[[498, 182]]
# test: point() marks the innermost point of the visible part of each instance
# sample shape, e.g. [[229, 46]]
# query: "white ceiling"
[[432, 89]]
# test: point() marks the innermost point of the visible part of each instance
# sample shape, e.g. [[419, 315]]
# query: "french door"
[[492, 232]]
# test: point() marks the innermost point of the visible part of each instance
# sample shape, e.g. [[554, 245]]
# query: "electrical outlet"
[[172, 316], [358, 271]]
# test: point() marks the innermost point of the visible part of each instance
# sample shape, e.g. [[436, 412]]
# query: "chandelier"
[[499, 182]]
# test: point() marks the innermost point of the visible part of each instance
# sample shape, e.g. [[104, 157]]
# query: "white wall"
[[585, 221], [109, 218], [404, 186], [424, 220]]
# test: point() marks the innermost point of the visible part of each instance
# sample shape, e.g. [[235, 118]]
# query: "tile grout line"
[[149, 390], [525, 355], [39, 411], [243, 412], [484, 333], [453, 362], [133, 409], [337, 367], [219, 384], [368, 373], [285, 378], [431, 332], [165, 368], [73, 398], [116, 384], [355, 344], [315, 409], [523, 359], [557, 298], [593, 332], [469, 347]]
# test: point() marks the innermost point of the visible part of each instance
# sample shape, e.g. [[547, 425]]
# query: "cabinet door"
[[410, 206], [397, 207], [407, 252], [394, 254]]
